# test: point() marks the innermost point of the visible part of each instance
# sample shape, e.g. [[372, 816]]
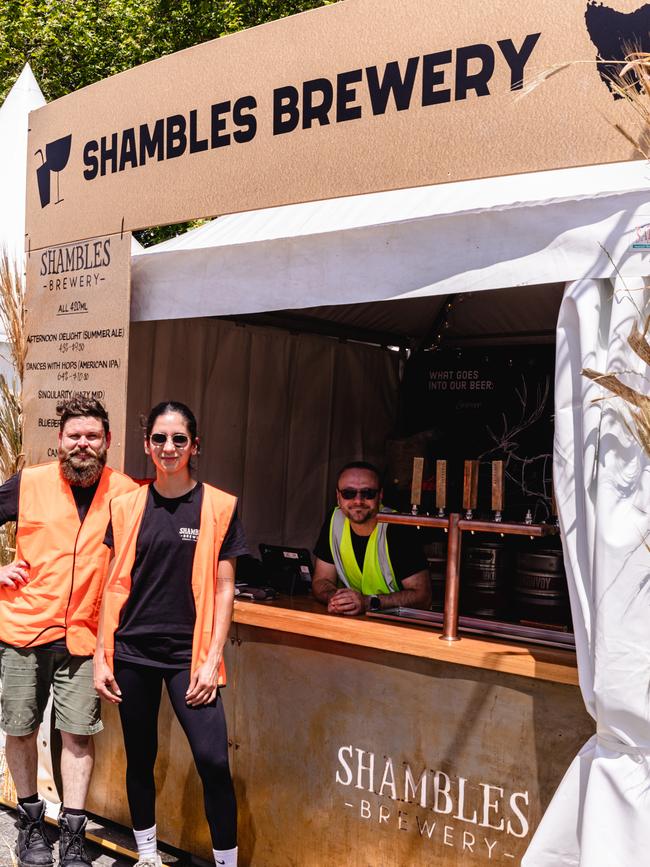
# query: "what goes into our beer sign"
[[479, 820], [488, 404]]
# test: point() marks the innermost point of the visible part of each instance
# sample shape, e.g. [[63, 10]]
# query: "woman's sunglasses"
[[179, 440], [364, 493]]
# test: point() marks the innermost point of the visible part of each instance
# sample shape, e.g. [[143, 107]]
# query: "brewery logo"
[[483, 821], [396, 85], [616, 35], [55, 159], [189, 534]]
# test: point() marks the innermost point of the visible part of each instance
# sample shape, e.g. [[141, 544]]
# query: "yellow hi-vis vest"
[[377, 575]]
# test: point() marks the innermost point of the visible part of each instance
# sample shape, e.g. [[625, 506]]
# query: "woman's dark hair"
[[171, 406]]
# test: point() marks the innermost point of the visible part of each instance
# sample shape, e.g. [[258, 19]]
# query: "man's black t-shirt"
[[9, 502], [404, 548], [157, 622]]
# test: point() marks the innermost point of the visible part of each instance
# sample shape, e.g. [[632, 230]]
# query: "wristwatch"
[[374, 604]]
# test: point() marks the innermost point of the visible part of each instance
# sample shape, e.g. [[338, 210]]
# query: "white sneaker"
[[149, 861]]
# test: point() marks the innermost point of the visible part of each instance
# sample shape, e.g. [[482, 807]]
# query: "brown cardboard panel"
[[303, 109], [78, 298], [385, 759]]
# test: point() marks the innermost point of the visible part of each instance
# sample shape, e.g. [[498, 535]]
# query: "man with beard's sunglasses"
[[49, 605]]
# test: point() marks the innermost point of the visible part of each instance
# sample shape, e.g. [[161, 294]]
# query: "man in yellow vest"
[[49, 605], [361, 564]]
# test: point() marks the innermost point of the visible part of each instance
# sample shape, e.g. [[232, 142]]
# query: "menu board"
[[77, 323]]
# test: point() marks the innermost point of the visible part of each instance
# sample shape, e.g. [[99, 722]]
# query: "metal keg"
[[436, 554], [482, 579], [541, 592]]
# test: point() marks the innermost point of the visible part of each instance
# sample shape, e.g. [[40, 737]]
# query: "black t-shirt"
[[157, 622], [404, 547], [9, 502]]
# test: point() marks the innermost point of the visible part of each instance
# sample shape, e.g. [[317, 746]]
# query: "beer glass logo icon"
[[54, 160]]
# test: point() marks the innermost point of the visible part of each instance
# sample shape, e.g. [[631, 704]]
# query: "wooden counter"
[[368, 743], [305, 616]]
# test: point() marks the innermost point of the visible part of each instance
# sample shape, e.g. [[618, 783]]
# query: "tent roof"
[[416, 203], [524, 230], [24, 96]]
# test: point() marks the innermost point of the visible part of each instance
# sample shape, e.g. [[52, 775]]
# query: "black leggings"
[[205, 727]]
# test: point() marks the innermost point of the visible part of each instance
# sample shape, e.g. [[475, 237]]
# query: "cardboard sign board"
[[360, 96], [78, 298]]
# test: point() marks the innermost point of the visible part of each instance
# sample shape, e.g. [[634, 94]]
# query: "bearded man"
[[362, 564], [49, 604]]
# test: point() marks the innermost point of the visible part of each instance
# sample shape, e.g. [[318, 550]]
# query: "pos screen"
[[287, 569]]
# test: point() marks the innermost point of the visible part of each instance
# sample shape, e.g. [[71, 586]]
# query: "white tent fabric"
[[599, 815], [547, 227], [24, 96]]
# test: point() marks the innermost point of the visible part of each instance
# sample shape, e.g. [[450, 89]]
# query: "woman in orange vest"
[[166, 612]]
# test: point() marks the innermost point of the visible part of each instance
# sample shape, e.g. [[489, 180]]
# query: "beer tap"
[[470, 489], [441, 487], [416, 485], [498, 490]]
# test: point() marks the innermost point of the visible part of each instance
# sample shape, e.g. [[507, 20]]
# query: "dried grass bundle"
[[629, 80], [12, 312], [638, 403], [12, 321]]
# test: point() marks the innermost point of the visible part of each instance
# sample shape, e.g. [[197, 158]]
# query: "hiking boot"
[[33, 847], [72, 852]]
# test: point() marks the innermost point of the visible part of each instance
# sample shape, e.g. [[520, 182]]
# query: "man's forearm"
[[323, 590], [404, 599]]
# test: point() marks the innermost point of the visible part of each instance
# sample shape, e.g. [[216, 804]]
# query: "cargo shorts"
[[28, 675]]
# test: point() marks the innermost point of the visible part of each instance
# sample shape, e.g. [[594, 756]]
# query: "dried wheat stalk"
[[12, 321], [631, 81], [638, 403]]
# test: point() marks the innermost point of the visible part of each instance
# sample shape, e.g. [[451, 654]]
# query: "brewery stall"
[[405, 748], [307, 334]]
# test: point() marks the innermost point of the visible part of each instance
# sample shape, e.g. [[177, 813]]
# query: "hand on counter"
[[346, 601]]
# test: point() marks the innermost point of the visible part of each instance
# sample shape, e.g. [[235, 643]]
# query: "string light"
[[443, 322]]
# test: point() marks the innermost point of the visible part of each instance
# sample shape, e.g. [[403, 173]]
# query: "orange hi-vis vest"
[[217, 510], [67, 561]]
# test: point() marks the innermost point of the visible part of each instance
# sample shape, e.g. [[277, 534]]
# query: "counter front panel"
[[356, 755]]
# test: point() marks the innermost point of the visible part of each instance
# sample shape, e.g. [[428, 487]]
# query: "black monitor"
[[287, 569]]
